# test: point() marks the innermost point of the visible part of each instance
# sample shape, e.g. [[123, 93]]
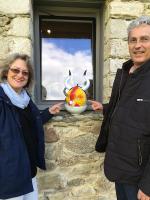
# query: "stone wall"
[[15, 35], [118, 14], [74, 169]]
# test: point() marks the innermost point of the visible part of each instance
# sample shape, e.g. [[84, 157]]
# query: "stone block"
[[82, 144], [51, 181], [50, 165], [1, 30], [4, 20], [117, 48], [115, 64], [106, 67], [116, 28], [84, 191], [106, 82], [69, 132], [111, 80], [147, 9], [84, 169], [15, 7], [4, 44], [106, 55], [53, 151], [60, 195], [87, 127], [19, 44], [129, 9], [112, 65], [50, 135], [20, 26], [76, 182], [107, 93]]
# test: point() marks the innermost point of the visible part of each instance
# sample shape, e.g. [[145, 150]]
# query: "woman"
[[21, 131]]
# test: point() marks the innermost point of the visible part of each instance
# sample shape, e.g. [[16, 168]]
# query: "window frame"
[[65, 12]]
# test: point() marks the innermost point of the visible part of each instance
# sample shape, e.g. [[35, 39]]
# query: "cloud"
[[56, 64]]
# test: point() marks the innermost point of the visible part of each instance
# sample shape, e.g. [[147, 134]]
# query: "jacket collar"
[[4, 97], [141, 70], [127, 65]]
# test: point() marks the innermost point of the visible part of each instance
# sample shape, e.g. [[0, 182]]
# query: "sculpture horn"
[[86, 84], [67, 83]]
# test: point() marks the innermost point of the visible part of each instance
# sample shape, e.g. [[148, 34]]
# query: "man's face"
[[139, 44]]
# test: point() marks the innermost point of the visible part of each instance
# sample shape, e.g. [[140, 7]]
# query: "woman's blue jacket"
[[15, 174]]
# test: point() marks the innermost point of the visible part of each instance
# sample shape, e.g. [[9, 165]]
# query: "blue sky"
[[71, 45]]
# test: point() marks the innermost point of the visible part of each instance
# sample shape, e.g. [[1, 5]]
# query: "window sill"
[[66, 116]]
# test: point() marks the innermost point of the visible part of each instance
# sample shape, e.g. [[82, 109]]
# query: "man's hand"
[[142, 196], [96, 105], [55, 108]]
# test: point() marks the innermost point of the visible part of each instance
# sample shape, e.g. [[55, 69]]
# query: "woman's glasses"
[[17, 71]]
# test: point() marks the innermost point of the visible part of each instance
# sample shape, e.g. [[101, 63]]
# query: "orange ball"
[[76, 97]]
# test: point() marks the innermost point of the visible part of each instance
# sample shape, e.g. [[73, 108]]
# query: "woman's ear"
[[6, 74]]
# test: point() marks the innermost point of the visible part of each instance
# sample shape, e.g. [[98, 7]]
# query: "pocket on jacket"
[[143, 149], [141, 110]]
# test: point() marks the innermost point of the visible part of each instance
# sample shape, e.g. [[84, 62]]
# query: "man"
[[125, 131]]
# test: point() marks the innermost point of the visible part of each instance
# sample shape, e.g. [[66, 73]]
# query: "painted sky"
[[58, 57]]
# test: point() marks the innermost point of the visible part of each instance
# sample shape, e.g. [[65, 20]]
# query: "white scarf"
[[20, 100]]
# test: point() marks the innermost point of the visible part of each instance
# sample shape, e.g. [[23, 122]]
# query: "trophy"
[[76, 98]]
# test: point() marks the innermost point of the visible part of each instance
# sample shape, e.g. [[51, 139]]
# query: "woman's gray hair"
[[137, 22], [5, 65]]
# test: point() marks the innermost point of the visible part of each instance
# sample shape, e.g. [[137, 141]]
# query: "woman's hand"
[[55, 108], [96, 105]]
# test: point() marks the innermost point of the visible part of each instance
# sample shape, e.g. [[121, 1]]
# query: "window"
[[66, 41], [66, 45]]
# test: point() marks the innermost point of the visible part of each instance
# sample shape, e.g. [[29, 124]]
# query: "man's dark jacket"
[[125, 131], [15, 173]]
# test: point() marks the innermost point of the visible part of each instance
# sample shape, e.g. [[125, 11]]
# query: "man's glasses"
[[17, 71]]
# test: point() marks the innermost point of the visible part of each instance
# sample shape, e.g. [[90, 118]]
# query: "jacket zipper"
[[140, 159], [119, 92], [143, 100], [118, 99]]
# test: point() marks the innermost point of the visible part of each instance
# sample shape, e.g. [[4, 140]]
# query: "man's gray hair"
[[137, 22]]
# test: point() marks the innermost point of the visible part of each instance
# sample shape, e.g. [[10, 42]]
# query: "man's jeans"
[[30, 196], [126, 191]]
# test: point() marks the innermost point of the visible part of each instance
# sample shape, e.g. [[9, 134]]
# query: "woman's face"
[[18, 75]]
